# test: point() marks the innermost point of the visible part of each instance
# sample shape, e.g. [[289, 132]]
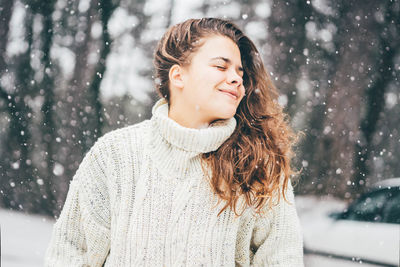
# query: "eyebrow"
[[227, 60]]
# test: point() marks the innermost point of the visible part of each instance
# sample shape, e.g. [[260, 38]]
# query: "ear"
[[176, 76]]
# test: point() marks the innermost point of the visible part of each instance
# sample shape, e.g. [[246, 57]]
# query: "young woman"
[[204, 182]]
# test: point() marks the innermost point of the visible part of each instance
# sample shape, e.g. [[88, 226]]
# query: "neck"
[[188, 117], [175, 147]]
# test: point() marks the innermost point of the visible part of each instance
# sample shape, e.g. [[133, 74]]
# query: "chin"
[[221, 111], [226, 115]]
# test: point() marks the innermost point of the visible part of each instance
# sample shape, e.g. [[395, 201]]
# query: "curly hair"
[[255, 161]]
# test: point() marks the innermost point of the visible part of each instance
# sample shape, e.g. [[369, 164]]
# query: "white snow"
[[24, 238], [17, 43], [318, 261], [391, 100]]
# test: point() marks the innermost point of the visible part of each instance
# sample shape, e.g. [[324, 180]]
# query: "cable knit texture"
[[140, 198]]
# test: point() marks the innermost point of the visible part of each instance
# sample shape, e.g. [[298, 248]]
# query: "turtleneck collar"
[[175, 149], [189, 139]]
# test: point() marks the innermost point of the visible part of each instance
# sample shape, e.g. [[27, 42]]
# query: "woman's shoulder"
[[127, 132], [122, 138]]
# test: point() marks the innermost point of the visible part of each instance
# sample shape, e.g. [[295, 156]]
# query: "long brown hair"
[[255, 162]]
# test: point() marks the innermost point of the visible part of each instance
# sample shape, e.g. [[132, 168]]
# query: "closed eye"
[[221, 67]]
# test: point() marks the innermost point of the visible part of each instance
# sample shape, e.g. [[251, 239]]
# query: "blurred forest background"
[[71, 71]]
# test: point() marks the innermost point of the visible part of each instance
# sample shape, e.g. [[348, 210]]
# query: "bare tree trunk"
[[19, 188], [107, 7], [287, 23], [345, 104], [389, 45], [48, 125], [314, 175], [81, 77]]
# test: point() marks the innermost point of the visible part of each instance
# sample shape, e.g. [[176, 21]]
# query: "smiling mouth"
[[233, 96]]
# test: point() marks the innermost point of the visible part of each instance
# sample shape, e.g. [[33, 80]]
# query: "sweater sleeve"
[[81, 235], [277, 238]]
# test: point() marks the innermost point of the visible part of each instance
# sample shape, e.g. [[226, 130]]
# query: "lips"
[[231, 93]]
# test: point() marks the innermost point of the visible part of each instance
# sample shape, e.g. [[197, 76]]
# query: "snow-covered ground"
[[24, 238], [322, 261]]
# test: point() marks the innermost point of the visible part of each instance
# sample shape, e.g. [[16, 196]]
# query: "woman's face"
[[213, 83]]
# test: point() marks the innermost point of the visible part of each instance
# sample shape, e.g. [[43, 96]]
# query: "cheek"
[[208, 84], [217, 77], [203, 86], [242, 91], [210, 75]]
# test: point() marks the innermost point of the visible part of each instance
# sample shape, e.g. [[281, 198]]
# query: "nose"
[[234, 78]]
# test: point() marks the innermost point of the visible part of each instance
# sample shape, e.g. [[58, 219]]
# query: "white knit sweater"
[[139, 198]]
